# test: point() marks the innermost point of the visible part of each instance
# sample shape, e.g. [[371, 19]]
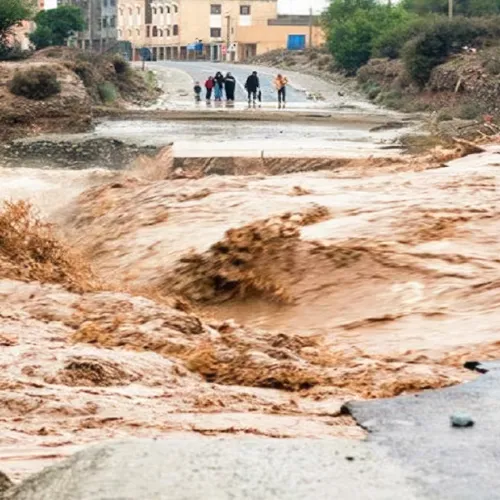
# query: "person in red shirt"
[[209, 86]]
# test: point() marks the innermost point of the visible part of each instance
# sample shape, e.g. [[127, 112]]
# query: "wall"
[[275, 37]]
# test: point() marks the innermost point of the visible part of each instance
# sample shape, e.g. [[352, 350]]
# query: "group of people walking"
[[220, 86]]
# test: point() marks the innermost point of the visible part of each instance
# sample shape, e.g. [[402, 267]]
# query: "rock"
[[461, 420], [5, 482]]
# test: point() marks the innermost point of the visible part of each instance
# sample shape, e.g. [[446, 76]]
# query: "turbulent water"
[[302, 291]]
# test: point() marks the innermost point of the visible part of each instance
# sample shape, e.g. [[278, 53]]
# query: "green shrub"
[[85, 72], [13, 52], [469, 112], [371, 89], [351, 38], [437, 42], [492, 66], [35, 83], [121, 65], [107, 92], [390, 42], [444, 116]]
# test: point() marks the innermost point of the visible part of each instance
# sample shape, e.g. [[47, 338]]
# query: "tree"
[[12, 12], [354, 26], [460, 7], [55, 26], [42, 37]]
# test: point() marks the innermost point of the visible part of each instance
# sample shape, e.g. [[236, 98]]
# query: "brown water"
[[370, 281]]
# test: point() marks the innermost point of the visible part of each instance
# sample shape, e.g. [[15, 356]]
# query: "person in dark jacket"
[[219, 86], [252, 86], [209, 85], [230, 86], [197, 92]]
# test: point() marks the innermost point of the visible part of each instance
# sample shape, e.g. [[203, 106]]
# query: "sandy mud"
[[162, 301]]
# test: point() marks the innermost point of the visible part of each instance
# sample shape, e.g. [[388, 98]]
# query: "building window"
[[119, 33], [148, 31], [161, 10], [160, 32], [168, 32], [138, 11], [215, 32], [176, 9], [176, 29], [129, 11], [104, 22], [112, 22], [155, 31], [104, 3], [154, 11], [129, 32], [216, 9], [244, 10], [168, 10], [138, 32], [112, 3], [121, 12]]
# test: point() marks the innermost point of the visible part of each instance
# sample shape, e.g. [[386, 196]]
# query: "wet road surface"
[[201, 70]]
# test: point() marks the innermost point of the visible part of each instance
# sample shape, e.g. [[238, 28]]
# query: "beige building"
[[206, 29]]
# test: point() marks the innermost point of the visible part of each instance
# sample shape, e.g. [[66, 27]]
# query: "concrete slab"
[[220, 469], [446, 462]]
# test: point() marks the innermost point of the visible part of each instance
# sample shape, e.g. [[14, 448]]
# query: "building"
[[230, 30], [277, 34], [47, 4], [101, 20]]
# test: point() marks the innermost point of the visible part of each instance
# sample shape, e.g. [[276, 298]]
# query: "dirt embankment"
[[463, 94], [86, 81], [69, 110]]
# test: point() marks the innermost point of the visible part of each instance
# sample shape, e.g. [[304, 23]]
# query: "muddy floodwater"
[[168, 301]]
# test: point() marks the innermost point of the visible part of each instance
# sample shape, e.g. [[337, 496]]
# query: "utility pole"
[[450, 9], [89, 13], [228, 36], [310, 27]]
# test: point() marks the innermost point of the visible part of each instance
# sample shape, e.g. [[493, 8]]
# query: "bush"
[[85, 71], [469, 112], [390, 43], [35, 83], [121, 65], [492, 66], [107, 92], [444, 116], [13, 52], [371, 89], [437, 42], [352, 38]]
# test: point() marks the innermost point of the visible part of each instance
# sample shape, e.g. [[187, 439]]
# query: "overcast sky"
[[301, 6]]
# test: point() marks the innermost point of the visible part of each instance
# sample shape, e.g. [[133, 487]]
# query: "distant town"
[[232, 30]]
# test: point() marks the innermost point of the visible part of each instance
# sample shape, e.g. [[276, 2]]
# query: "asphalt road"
[[411, 452], [237, 468], [201, 70], [447, 462]]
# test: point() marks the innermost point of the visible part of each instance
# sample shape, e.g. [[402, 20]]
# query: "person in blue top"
[[219, 86]]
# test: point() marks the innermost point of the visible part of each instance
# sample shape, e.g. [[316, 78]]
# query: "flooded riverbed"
[[240, 304]]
